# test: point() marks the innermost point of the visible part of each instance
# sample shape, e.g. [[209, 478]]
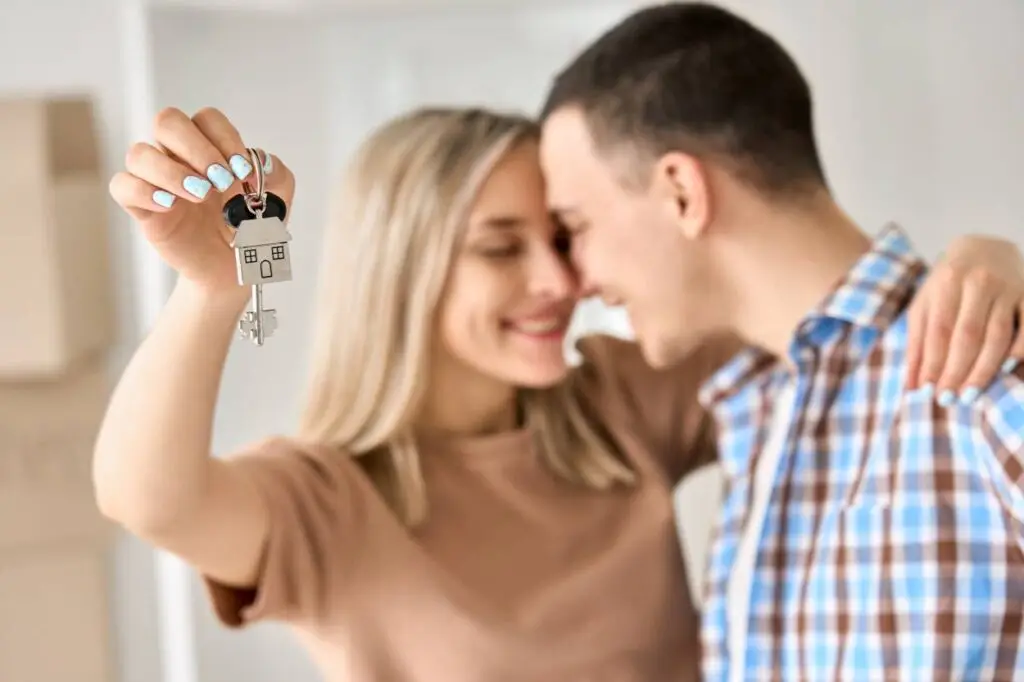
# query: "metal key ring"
[[256, 201]]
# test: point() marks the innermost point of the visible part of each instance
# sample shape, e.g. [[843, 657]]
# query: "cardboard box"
[[56, 289], [55, 546]]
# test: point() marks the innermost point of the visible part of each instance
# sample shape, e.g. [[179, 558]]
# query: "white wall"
[[920, 109], [57, 46]]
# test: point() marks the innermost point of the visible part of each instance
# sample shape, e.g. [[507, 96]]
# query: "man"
[[867, 533]]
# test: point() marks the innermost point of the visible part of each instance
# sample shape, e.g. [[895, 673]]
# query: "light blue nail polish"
[[947, 398], [197, 187], [928, 390], [220, 176], [162, 198], [241, 166], [1010, 365], [268, 163], [969, 395]]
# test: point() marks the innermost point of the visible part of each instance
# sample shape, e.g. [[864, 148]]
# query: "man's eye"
[[563, 242]]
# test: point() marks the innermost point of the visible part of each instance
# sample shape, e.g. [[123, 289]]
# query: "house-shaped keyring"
[[261, 252]]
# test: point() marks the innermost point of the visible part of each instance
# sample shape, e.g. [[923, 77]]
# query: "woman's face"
[[511, 292]]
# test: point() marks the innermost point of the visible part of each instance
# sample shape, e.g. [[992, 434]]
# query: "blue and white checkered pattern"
[[893, 545]]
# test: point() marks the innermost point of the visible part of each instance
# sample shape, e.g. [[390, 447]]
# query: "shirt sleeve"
[[318, 503], [1004, 427], [660, 402]]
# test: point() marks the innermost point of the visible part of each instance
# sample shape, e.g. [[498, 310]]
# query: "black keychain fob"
[[236, 211]]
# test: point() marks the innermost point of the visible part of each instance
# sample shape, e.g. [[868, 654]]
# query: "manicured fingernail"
[[947, 398], [220, 176], [241, 166], [268, 163], [928, 390], [162, 198], [197, 187], [1010, 365], [969, 395]]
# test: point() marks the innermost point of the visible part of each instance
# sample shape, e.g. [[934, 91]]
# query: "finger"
[[967, 341], [148, 163], [1016, 355], [139, 197], [223, 135], [175, 132], [998, 335], [944, 305], [917, 321]]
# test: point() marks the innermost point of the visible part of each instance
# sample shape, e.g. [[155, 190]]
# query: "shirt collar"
[[878, 287], [872, 295]]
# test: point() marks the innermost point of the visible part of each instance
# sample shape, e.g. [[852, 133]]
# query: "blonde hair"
[[403, 209]]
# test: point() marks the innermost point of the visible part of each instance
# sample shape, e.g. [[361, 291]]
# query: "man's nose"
[[555, 278], [588, 289]]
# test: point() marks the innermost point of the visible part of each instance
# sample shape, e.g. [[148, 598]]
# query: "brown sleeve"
[[318, 503], [662, 402]]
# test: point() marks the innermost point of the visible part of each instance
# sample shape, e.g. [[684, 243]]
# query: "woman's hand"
[[176, 190], [966, 321]]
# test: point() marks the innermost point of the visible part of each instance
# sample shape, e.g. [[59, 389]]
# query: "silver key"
[[261, 257]]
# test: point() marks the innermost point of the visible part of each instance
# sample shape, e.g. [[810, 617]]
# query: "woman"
[[458, 504]]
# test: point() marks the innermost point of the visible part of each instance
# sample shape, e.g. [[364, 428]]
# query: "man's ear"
[[680, 184]]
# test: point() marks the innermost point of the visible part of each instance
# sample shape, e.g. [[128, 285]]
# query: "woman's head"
[[444, 283], [510, 292]]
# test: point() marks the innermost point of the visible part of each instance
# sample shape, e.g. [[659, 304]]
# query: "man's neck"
[[787, 263]]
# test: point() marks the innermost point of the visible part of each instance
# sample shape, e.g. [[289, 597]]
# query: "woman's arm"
[[152, 469]]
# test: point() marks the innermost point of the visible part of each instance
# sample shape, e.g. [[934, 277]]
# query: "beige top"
[[515, 576]]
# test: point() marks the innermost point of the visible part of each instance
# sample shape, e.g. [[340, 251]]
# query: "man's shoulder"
[[1000, 405], [993, 421]]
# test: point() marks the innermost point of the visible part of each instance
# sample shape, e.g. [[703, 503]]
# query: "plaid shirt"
[[892, 547]]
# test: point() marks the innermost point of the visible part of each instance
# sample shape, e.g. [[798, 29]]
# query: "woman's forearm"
[[152, 452]]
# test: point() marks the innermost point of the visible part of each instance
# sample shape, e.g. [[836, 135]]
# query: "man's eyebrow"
[[562, 212]]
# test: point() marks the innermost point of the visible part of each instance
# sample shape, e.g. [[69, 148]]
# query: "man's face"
[[629, 246]]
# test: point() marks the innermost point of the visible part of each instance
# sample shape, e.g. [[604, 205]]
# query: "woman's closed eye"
[[500, 250]]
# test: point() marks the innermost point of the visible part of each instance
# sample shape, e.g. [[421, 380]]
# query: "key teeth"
[[269, 322], [247, 325]]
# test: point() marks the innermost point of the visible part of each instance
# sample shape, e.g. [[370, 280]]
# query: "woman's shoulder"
[[294, 457], [607, 360], [659, 402]]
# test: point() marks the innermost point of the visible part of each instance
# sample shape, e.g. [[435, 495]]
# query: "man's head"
[[657, 140]]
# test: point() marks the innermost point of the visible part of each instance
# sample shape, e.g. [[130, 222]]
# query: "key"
[[261, 251], [258, 323]]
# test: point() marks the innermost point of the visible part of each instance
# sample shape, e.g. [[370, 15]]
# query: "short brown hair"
[[695, 78]]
